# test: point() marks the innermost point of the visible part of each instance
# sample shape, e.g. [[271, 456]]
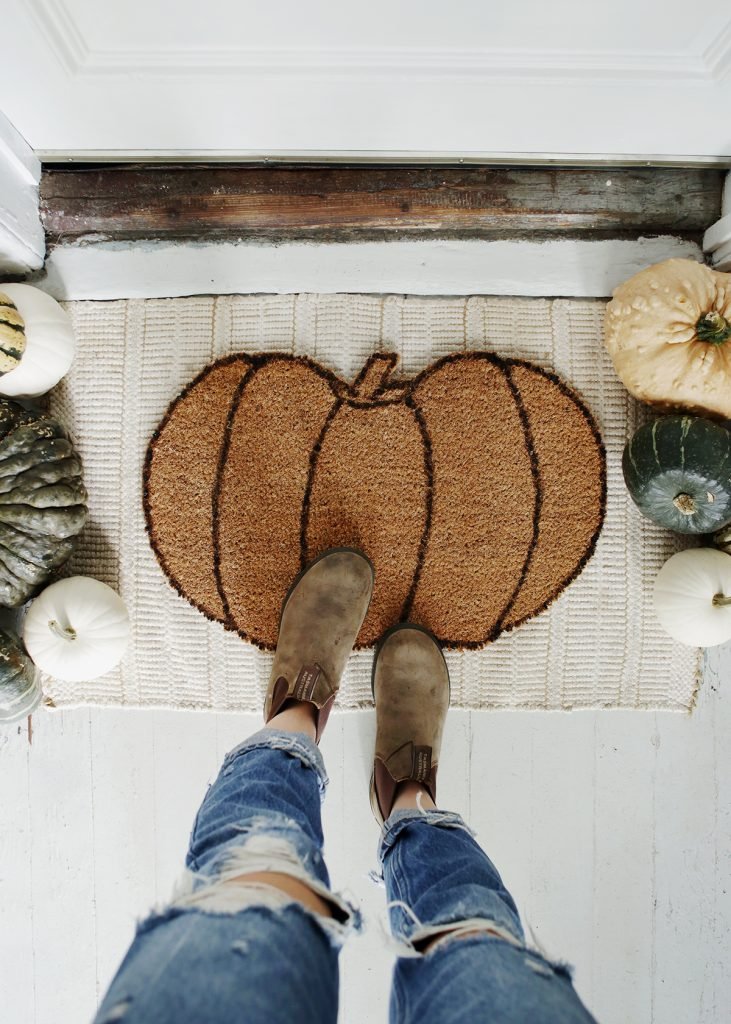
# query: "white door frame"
[[23, 251], [22, 241], [717, 240]]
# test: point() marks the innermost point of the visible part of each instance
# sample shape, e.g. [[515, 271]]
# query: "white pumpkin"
[[77, 629], [49, 343], [693, 597]]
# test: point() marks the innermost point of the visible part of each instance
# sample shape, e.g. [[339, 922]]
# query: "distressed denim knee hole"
[[225, 891], [431, 939]]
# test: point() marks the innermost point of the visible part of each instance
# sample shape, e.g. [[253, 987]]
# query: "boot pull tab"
[[306, 682], [421, 764]]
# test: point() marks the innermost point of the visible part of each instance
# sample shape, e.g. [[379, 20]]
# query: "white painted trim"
[[17, 153], [22, 241], [722, 256], [717, 55], [717, 239], [535, 64], [568, 267]]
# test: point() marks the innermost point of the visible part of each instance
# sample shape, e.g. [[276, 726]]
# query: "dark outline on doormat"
[[386, 394]]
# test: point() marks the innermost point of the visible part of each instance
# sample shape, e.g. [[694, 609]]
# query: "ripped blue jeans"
[[226, 951]]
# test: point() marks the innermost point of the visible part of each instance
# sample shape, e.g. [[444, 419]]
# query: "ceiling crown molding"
[[67, 41]]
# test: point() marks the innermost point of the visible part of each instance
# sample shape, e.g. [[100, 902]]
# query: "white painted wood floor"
[[612, 829]]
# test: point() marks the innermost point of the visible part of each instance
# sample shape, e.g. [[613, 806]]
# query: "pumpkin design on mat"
[[476, 488]]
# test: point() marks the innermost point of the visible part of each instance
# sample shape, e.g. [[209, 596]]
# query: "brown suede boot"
[[321, 617], [411, 691]]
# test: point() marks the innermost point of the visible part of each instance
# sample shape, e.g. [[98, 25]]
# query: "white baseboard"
[[717, 239], [717, 244], [566, 267]]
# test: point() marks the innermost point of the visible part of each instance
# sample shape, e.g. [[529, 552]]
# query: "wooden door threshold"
[[157, 231], [344, 204]]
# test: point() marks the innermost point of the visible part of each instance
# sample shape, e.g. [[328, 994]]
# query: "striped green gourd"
[[12, 335]]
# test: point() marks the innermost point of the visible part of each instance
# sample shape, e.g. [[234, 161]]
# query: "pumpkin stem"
[[685, 504], [721, 601], [713, 328], [65, 633], [374, 376]]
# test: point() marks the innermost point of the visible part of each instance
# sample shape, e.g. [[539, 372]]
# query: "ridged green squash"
[[678, 472], [18, 687], [42, 500]]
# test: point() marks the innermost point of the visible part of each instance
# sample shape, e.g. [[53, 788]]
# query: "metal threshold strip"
[[376, 158]]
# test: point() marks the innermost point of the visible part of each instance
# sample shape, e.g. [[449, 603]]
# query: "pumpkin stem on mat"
[[61, 631], [685, 504], [374, 375], [721, 601], [713, 327]]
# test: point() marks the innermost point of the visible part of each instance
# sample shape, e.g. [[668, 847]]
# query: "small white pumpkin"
[[49, 342], [77, 629], [693, 597]]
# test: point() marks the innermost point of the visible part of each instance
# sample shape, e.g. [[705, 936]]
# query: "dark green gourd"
[[19, 689], [42, 500], [678, 472]]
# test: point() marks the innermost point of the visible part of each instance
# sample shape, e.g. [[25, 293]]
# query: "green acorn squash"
[[678, 473], [42, 500]]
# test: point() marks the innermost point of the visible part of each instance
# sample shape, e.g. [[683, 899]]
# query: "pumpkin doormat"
[[476, 488], [598, 644]]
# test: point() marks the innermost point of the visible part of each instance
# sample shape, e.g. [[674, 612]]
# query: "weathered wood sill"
[[340, 203]]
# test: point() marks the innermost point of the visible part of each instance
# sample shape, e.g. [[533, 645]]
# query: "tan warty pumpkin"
[[668, 331]]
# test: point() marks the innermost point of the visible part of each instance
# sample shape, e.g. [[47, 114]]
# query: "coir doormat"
[[477, 489], [597, 644]]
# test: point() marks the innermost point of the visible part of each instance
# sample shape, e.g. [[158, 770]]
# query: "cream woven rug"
[[598, 645]]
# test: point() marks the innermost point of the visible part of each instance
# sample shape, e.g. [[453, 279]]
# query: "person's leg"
[[254, 930], [464, 956], [231, 946]]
